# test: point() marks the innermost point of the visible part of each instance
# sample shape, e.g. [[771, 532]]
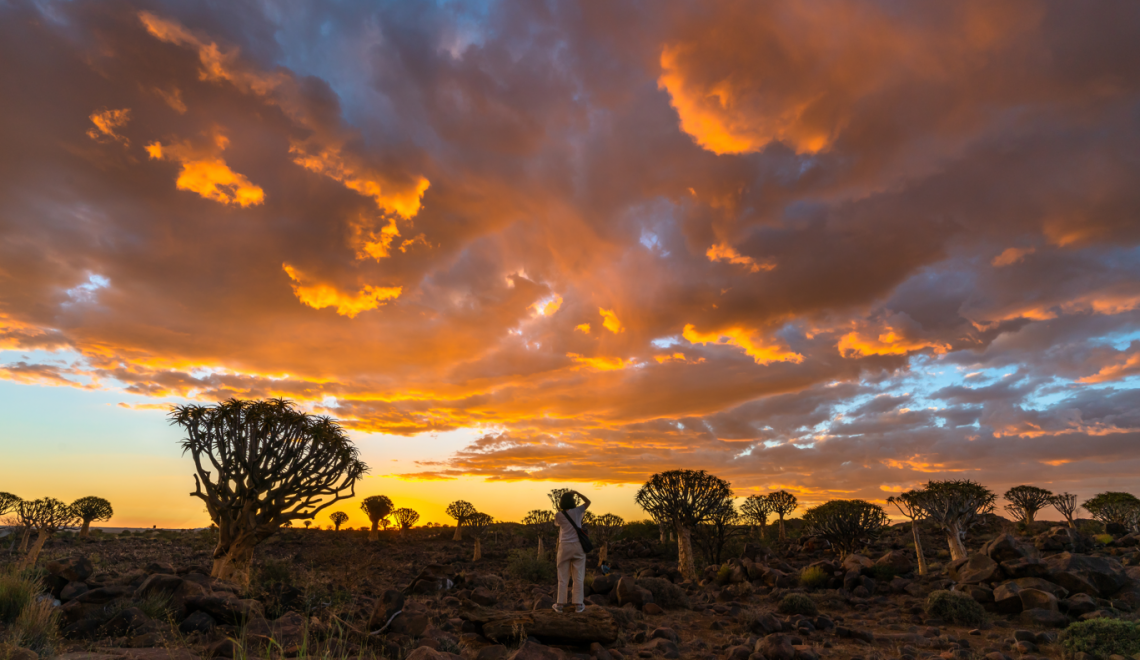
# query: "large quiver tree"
[[1066, 505], [909, 504], [91, 509], [8, 503], [1028, 500], [846, 523], [462, 511], [1114, 508], [685, 498], [259, 464], [782, 503], [45, 517], [956, 506], [606, 528], [755, 510], [405, 518], [377, 508]]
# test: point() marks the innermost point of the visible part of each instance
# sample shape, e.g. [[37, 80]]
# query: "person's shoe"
[[580, 608], [557, 607]]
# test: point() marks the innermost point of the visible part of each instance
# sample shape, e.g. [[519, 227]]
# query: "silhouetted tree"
[[755, 510], [686, 498], [260, 463], [405, 518], [908, 504], [462, 512], [555, 496], [607, 527], [477, 524], [307, 523], [8, 503], [1066, 505], [956, 506], [846, 523], [539, 522], [782, 503], [377, 508], [90, 509], [339, 518], [1028, 500], [1114, 508], [45, 517]]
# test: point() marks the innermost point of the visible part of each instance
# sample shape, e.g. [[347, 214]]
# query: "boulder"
[[1044, 585], [132, 620], [856, 562], [75, 569], [386, 607], [1008, 548], [1006, 600], [1078, 604], [1059, 539], [1025, 568], [1104, 573], [1045, 618], [73, 590], [428, 653], [483, 596], [979, 593], [226, 608], [627, 591], [604, 584], [765, 623], [976, 568], [179, 590], [412, 624], [899, 561], [289, 632], [1036, 599], [596, 624], [776, 647], [197, 622], [532, 650]]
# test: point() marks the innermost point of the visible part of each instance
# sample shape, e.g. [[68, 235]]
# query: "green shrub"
[[797, 604], [16, 592], [954, 607], [37, 628], [1103, 539], [1101, 638], [665, 593], [814, 577], [525, 565], [723, 574]]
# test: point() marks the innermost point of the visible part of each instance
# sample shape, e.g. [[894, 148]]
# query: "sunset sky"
[[834, 247]]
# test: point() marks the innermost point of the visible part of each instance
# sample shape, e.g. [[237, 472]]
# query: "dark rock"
[[387, 605], [410, 623], [1006, 599], [1044, 585], [483, 597], [856, 562], [1025, 568], [1104, 573], [159, 567], [1059, 539], [665, 633], [979, 593], [198, 622], [1046, 618], [737, 653], [226, 608], [73, 590], [652, 609], [1008, 548], [977, 568], [663, 648], [225, 648], [604, 584], [1036, 599], [776, 647], [500, 652], [1078, 604], [131, 620], [75, 569], [628, 592], [765, 623], [899, 561]]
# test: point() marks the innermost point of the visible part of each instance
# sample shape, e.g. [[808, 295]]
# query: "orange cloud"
[[1129, 367], [547, 307], [1011, 256], [754, 346], [676, 357], [724, 252], [583, 327], [602, 363], [106, 122], [204, 172], [320, 295], [888, 341], [405, 202], [610, 321]]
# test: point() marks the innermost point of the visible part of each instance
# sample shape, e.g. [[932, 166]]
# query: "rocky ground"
[[320, 593]]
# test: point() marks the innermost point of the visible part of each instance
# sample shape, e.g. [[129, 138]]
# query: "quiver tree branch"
[[909, 504], [685, 498], [91, 509], [259, 464], [8, 503], [45, 517], [1066, 505], [377, 508], [1029, 500]]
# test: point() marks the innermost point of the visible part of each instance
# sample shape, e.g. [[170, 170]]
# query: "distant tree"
[[1066, 505], [287, 524], [307, 523], [607, 527], [555, 496], [588, 518], [377, 508], [1114, 508], [8, 503], [782, 503], [339, 518], [405, 518], [956, 506], [1029, 500], [909, 504], [846, 523], [477, 525], [90, 509], [45, 517], [716, 531], [462, 512], [755, 510], [686, 498], [260, 463], [539, 522], [1015, 512]]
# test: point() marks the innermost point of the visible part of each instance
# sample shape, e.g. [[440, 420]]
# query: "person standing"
[[571, 556]]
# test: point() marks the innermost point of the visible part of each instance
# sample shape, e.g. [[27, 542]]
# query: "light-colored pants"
[[571, 558]]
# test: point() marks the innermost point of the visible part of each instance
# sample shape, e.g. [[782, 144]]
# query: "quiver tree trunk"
[[458, 533], [918, 548], [685, 559], [661, 528], [85, 529], [478, 551], [24, 539], [954, 540], [539, 548], [603, 553], [783, 533], [374, 533], [29, 559]]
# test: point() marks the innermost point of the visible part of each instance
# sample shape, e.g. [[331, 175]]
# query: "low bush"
[[797, 604], [954, 607], [37, 628], [525, 565], [883, 572], [723, 574], [814, 577], [17, 589], [1101, 638], [665, 593], [1103, 539]]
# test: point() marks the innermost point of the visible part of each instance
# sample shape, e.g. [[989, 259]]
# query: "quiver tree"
[[781, 503], [754, 510], [1114, 508], [8, 503], [721, 525], [956, 506], [45, 517], [539, 521], [462, 512], [377, 508], [1029, 500], [260, 463], [607, 527], [846, 523], [909, 504], [339, 518], [1066, 505], [477, 524], [555, 496], [91, 509], [307, 523], [685, 498], [405, 518], [1015, 512]]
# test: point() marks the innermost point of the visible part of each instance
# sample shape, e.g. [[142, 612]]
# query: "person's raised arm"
[[585, 500]]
